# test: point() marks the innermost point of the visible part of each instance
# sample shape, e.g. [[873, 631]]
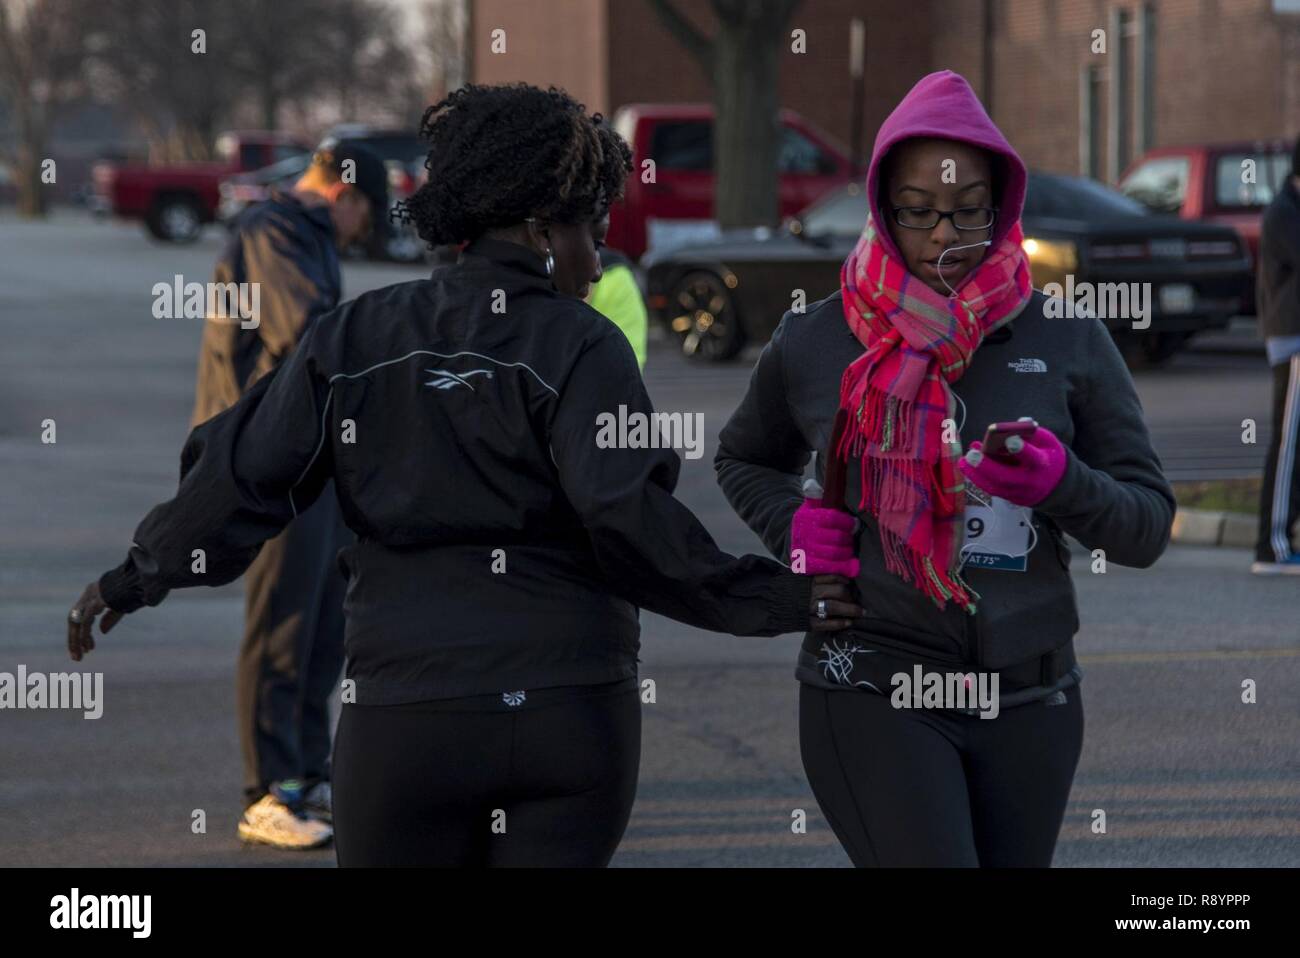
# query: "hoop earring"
[[550, 262]]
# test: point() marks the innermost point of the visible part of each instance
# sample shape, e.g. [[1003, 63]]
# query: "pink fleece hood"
[[942, 105]]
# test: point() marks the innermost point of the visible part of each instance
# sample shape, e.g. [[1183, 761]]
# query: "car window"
[[1159, 184], [843, 213], [683, 145], [285, 151], [798, 154], [1074, 197], [1229, 171]]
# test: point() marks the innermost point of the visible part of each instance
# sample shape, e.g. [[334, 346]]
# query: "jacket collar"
[[318, 215], [485, 251]]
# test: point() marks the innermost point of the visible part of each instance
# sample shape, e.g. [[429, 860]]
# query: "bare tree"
[[144, 57], [278, 54], [40, 53], [742, 60], [368, 63]]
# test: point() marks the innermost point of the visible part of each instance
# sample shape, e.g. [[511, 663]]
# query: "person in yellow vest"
[[618, 297]]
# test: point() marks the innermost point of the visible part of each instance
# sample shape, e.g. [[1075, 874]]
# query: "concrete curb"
[[1214, 527]]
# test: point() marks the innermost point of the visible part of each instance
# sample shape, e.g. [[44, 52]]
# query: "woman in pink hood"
[[943, 726]]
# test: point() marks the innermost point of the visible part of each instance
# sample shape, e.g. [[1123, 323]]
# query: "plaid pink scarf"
[[897, 396]]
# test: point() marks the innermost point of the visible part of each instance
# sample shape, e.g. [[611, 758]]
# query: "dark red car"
[[678, 205], [176, 200], [1212, 184]]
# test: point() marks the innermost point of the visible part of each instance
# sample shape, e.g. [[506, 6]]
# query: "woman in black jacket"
[[506, 534], [961, 562]]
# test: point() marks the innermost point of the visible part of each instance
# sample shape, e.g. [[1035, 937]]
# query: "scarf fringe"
[[916, 568]]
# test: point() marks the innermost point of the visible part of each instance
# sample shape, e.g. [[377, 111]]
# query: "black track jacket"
[[499, 546]]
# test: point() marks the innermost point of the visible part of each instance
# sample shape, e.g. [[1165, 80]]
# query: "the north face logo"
[[1028, 366], [446, 379]]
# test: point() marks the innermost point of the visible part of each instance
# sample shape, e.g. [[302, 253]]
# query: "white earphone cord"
[[949, 250]]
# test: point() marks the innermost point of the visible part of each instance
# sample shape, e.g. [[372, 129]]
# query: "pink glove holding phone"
[[1024, 473]]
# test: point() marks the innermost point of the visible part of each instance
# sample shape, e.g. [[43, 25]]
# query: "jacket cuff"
[[1062, 499], [121, 589], [792, 602]]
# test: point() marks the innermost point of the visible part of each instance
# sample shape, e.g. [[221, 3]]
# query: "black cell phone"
[[1003, 440]]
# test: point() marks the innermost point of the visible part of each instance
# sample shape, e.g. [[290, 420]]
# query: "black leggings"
[[922, 787], [474, 782]]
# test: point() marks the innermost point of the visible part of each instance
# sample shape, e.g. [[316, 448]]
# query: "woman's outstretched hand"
[[81, 621], [841, 607], [1025, 478]]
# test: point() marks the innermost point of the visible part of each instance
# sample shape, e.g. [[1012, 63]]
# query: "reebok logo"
[[446, 379], [1028, 366]]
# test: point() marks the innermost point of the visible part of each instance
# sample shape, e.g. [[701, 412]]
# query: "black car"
[[720, 295]]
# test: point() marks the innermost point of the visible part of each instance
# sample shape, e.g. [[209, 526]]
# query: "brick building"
[[1173, 71]]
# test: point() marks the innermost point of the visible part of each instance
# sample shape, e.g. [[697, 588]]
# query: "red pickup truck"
[[175, 201], [1206, 183], [678, 205]]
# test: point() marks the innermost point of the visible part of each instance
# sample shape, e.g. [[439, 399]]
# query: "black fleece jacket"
[[1065, 373]]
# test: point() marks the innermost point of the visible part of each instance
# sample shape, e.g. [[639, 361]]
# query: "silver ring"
[[75, 617], [821, 608]]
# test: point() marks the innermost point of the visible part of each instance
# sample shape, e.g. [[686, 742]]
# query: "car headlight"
[[1050, 261], [1055, 255]]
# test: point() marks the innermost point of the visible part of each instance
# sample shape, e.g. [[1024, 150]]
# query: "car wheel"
[[702, 312], [175, 219]]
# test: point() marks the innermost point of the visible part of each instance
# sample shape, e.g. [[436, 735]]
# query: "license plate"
[[1177, 298]]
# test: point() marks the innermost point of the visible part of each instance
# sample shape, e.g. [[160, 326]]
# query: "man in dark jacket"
[[1278, 299], [292, 648]]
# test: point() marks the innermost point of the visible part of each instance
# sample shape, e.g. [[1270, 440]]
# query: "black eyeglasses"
[[927, 218]]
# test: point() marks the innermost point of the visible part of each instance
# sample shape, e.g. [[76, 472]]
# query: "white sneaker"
[[271, 822], [1288, 566], [318, 803]]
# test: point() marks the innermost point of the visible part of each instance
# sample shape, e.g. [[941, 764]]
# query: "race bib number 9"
[[997, 532]]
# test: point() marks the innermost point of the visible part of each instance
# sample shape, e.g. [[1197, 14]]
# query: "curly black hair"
[[499, 154]]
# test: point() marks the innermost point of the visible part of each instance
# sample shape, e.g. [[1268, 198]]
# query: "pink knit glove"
[[1026, 481], [826, 538]]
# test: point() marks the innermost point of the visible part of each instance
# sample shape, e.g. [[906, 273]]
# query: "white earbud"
[[949, 250]]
